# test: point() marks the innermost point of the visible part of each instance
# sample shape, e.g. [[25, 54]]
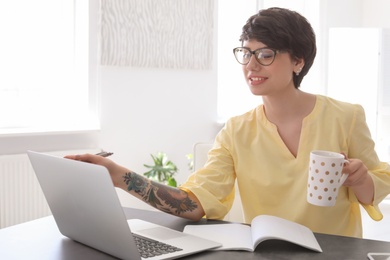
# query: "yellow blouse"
[[272, 181]]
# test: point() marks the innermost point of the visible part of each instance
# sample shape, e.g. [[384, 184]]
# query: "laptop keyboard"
[[148, 247]]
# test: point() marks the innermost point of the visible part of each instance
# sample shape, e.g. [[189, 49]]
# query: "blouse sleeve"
[[213, 185], [362, 146]]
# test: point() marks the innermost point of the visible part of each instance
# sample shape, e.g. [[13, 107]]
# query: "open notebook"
[[86, 208]]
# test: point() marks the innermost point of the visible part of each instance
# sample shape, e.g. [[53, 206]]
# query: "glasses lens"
[[265, 56], [242, 55]]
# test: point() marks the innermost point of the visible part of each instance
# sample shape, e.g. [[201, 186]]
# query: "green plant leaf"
[[162, 170], [172, 182]]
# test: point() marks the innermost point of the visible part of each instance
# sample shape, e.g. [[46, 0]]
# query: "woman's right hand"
[[116, 171], [168, 199]]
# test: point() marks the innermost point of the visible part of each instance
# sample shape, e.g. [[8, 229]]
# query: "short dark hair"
[[284, 30]]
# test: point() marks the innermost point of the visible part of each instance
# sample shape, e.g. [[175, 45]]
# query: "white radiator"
[[21, 197]]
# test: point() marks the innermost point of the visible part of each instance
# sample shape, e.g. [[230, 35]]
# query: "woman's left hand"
[[357, 172], [359, 180]]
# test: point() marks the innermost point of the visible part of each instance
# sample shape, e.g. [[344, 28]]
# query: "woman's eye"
[[266, 55], [246, 55]]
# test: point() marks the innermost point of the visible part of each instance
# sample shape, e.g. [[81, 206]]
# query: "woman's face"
[[272, 79]]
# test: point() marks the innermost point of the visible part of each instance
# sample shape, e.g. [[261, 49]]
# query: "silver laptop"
[[86, 208]]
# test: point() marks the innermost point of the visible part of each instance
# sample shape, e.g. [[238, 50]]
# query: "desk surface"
[[40, 239]]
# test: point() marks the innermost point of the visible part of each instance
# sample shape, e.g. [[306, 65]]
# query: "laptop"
[[86, 208]]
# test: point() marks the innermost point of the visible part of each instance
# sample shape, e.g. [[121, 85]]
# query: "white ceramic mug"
[[325, 177]]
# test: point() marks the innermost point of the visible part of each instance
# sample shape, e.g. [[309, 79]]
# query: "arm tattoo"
[[155, 193]]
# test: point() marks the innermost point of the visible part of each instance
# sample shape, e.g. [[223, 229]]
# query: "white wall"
[[145, 111], [150, 110], [358, 13], [376, 13]]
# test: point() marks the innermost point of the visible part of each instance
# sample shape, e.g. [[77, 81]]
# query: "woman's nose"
[[253, 64]]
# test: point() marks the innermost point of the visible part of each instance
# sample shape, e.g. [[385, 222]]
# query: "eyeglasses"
[[265, 56]]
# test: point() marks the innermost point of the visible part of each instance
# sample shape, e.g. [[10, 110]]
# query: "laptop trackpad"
[[160, 233]]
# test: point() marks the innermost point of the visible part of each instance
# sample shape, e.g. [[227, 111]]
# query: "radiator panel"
[[21, 197]]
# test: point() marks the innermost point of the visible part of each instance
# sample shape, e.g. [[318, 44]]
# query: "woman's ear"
[[298, 65]]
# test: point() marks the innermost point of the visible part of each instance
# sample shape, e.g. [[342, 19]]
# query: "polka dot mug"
[[325, 177]]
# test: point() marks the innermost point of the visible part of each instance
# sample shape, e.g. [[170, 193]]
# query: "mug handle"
[[344, 176]]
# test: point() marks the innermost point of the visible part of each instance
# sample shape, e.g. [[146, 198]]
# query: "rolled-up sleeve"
[[362, 146], [213, 185]]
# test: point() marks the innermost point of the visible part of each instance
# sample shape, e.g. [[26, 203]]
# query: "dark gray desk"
[[40, 239]]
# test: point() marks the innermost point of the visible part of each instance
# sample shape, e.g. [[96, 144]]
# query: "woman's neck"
[[289, 106]]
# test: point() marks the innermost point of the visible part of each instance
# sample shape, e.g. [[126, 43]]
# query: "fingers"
[[116, 171], [354, 166], [345, 156], [84, 157], [357, 172]]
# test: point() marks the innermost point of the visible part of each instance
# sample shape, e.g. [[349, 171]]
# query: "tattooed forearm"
[[175, 199], [135, 182], [165, 198]]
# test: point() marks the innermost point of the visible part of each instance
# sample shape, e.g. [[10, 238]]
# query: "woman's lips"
[[256, 80]]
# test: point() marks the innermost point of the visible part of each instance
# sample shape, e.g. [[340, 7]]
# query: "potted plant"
[[162, 170]]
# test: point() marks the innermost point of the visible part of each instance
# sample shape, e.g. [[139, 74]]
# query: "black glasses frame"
[[255, 52]]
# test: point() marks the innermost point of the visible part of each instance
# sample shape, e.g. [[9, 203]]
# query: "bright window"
[[44, 83]]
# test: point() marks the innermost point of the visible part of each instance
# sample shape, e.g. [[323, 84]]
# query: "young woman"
[[267, 149]]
